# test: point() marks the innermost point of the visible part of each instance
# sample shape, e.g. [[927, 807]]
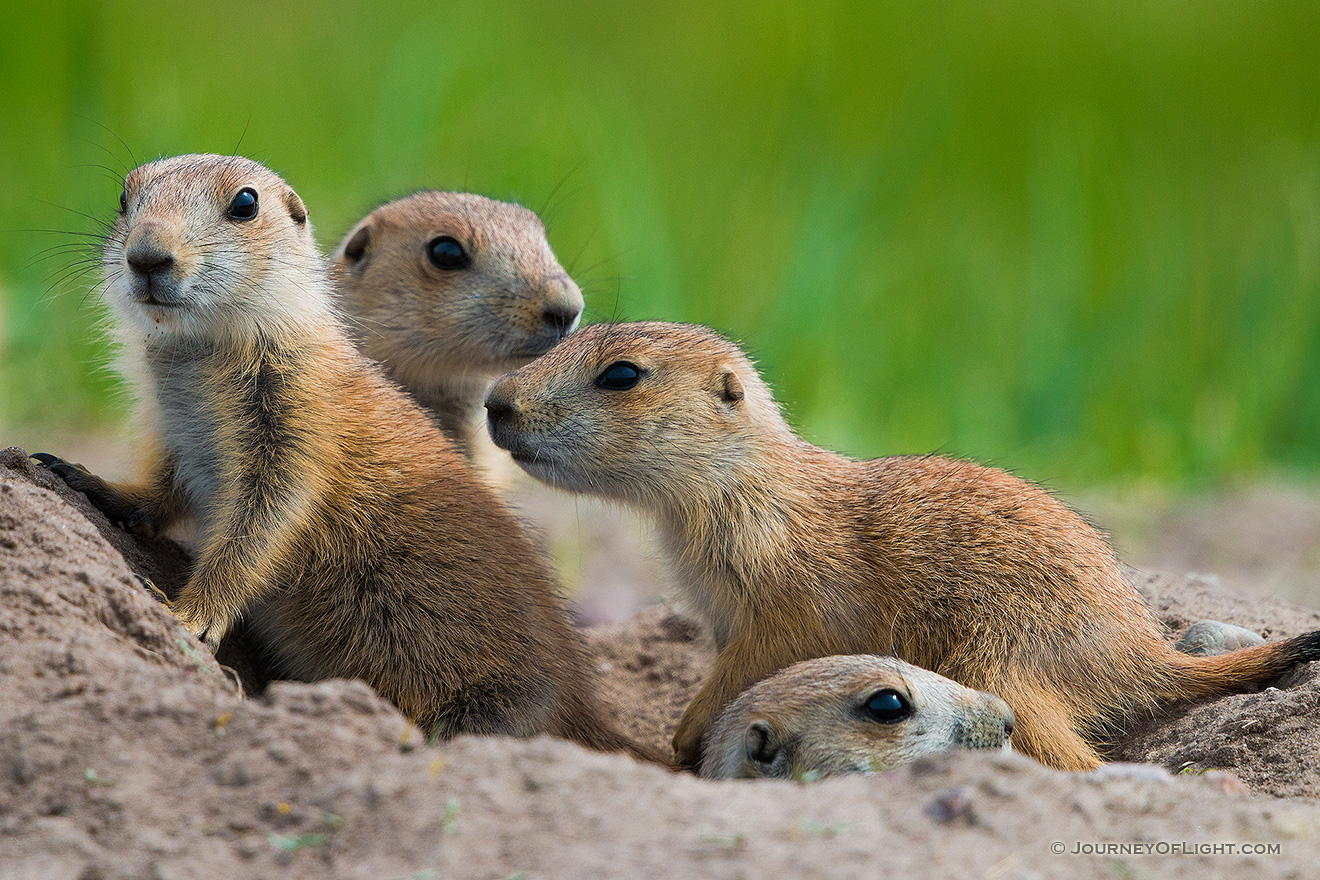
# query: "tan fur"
[[810, 721], [444, 334], [790, 551], [326, 505]]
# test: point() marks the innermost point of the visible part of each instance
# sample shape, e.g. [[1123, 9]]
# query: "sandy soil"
[[1260, 538], [126, 751]]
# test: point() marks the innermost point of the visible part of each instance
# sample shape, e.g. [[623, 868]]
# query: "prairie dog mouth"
[[528, 455], [156, 293], [509, 440], [151, 302]]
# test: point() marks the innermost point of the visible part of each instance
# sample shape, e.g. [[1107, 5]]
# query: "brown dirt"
[[126, 752], [1268, 739]]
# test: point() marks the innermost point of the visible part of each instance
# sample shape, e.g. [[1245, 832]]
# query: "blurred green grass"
[[1079, 240]]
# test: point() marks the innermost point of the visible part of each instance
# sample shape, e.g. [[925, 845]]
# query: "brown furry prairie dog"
[[447, 290], [327, 507], [789, 551], [853, 714]]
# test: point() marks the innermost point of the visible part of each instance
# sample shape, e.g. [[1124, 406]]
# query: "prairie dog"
[[326, 505], [447, 290], [789, 551], [854, 714]]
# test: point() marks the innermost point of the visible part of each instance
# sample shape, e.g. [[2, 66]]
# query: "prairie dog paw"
[[156, 592], [117, 508], [209, 628]]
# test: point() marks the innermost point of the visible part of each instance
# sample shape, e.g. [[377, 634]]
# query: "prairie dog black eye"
[[123, 201], [446, 253], [619, 376], [887, 707], [244, 205]]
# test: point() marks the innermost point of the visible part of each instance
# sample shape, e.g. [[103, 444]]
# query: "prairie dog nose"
[[561, 317], [148, 259], [1000, 708], [564, 307], [500, 406], [146, 253]]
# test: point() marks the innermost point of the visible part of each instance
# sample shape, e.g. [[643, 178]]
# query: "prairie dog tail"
[[1191, 678]]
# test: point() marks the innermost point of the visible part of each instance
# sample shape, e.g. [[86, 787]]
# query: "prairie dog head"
[[211, 246], [443, 283], [645, 412], [849, 714]]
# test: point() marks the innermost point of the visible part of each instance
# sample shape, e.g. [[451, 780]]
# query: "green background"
[[1081, 240]]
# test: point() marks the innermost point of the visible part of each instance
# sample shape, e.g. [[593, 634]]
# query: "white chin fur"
[[554, 474], [138, 318], [151, 317], [545, 471]]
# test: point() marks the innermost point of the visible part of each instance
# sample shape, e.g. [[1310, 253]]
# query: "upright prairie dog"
[[448, 290], [856, 714], [789, 551], [326, 504]]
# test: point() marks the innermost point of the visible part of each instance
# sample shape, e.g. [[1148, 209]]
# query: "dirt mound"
[[1268, 739], [125, 751], [650, 668], [73, 616]]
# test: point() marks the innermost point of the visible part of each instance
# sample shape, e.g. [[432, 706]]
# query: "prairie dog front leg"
[[239, 561], [145, 509]]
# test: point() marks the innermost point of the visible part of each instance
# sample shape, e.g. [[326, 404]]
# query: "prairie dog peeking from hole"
[[849, 714]]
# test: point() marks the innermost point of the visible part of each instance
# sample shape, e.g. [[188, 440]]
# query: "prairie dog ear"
[[357, 245], [297, 210], [761, 743], [732, 389]]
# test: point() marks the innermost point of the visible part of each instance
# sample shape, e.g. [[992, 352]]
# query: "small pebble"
[[1206, 638]]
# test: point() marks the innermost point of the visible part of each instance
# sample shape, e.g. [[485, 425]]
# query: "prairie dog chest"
[[190, 395], [706, 592]]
